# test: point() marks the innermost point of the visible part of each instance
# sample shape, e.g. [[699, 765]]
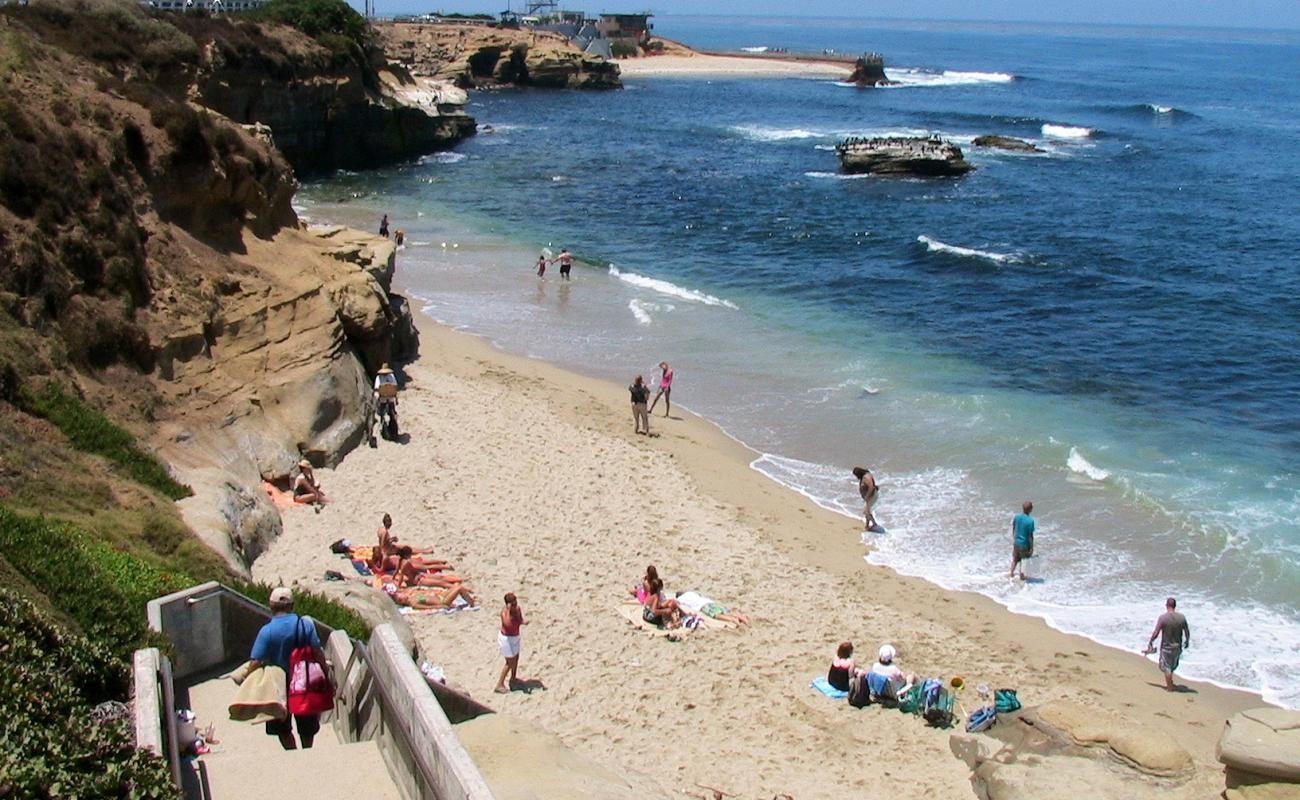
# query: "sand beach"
[[705, 65], [529, 479]]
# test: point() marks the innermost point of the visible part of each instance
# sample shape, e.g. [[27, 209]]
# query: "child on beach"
[[1022, 544], [665, 388], [512, 617], [541, 266]]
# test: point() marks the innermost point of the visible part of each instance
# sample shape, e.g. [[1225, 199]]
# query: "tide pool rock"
[[1262, 741], [1146, 749]]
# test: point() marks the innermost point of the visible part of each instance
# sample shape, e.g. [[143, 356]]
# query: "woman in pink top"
[[665, 389], [512, 617]]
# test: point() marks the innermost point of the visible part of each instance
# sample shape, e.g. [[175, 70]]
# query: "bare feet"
[[501, 690]]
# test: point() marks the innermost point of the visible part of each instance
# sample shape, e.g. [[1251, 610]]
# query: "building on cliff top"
[[633, 29]]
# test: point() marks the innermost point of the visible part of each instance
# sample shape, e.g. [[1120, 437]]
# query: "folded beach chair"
[[938, 703]]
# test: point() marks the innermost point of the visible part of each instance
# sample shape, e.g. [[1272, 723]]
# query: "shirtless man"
[[869, 491], [1174, 635], [566, 263]]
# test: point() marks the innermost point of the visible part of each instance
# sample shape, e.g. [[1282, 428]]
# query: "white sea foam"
[[639, 311], [669, 289], [1067, 132], [1077, 463], [753, 49], [761, 133], [936, 246], [1160, 109], [839, 176], [905, 77]]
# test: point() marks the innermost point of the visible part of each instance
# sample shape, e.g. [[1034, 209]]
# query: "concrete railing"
[[383, 696], [210, 625], [153, 707]]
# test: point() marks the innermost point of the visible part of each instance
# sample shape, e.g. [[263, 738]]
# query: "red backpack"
[[310, 690]]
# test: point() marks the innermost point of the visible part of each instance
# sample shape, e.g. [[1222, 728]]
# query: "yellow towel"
[[262, 696]]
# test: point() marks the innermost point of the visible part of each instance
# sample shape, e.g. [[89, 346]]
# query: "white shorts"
[[509, 645]]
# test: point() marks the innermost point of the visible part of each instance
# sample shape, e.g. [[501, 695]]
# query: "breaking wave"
[[936, 246], [1077, 463], [669, 289], [1067, 132], [905, 77]]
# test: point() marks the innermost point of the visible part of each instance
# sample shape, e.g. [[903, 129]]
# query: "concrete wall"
[[210, 625], [395, 706]]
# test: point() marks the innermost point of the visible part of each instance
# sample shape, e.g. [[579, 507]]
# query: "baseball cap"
[[281, 596]]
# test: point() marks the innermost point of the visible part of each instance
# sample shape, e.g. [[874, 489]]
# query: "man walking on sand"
[[1022, 539], [869, 490], [1174, 635], [512, 617]]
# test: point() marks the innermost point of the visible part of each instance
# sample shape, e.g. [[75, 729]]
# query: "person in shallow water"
[[869, 490], [566, 263], [1022, 539], [383, 227], [1175, 637], [541, 266]]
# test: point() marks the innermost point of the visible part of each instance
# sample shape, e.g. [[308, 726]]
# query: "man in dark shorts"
[[275, 643], [1022, 545], [1175, 636], [566, 263]]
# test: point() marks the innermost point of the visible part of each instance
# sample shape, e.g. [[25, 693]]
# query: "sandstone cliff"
[[156, 265], [478, 57]]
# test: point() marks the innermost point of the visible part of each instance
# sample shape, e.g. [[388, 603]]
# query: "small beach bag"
[[859, 691], [1006, 701], [983, 719], [310, 690]]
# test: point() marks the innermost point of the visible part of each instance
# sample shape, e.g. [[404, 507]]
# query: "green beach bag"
[[1005, 701], [914, 700]]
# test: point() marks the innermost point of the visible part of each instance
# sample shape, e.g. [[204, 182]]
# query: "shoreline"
[[706, 64], [556, 509]]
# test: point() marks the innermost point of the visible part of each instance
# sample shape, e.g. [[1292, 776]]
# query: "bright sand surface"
[[731, 66], [529, 479]]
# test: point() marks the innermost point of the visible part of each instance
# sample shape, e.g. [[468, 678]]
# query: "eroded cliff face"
[[479, 57], [156, 265], [326, 110]]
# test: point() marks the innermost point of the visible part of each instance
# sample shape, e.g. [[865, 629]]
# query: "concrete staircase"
[[246, 763]]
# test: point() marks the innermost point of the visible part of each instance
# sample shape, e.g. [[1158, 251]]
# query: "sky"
[[1266, 14]]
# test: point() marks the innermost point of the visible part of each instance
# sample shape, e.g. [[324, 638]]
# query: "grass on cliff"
[[90, 431], [332, 23]]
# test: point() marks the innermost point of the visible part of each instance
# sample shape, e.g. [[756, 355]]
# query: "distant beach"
[[733, 66]]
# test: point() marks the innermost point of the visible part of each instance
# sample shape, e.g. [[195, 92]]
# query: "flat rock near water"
[[915, 156], [1007, 143]]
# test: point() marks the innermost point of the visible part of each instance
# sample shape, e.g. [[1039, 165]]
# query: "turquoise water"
[[1108, 329]]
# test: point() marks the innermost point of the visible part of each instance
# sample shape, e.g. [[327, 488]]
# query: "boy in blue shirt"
[[1022, 547]]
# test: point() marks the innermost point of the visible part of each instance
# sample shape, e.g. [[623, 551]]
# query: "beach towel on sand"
[[361, 568], [632, 613], [279, 497], [824, 686]]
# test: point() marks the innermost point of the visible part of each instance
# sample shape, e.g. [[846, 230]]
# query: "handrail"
[[428, 772]]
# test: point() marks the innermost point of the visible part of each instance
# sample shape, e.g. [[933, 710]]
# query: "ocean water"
[[1110, 329]]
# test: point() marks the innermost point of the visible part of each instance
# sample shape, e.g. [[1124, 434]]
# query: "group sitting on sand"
[[672, 612], [889, 681], [413, 577]]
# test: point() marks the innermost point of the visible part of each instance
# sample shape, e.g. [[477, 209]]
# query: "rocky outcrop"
[[1264, 742], [1052, 751], [278, 369], [908, 156], [482, 57], [324, 111], [1006, 143], [869, 70]]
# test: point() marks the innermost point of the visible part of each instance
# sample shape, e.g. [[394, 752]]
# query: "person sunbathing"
[[306, 489], [659, 610], [422, 599], [410, 574], [697, 603]]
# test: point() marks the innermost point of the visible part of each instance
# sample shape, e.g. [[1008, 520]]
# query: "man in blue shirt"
[[275, 644], [1022, 547]]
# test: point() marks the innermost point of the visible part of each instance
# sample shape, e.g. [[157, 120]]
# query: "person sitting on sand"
[[305, 487], [642, 590], [660, 611], [421, 598], [899, 683], [697, 603], [842, 667]]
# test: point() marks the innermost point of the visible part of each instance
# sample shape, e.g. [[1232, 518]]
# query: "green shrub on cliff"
[[323, 20], [51, 745], [92, 432]]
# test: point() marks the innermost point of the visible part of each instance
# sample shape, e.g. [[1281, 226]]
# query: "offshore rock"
[[1007, 143], [903, 155], [870, 71]]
